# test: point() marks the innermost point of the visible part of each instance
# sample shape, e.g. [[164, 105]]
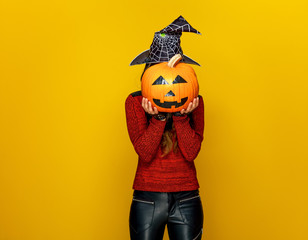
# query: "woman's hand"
[[147, 106], [191, 106]]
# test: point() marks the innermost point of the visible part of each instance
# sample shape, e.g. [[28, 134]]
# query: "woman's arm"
[[145, 138], [190, 134]]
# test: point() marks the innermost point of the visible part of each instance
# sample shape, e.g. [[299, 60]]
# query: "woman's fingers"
[[197, 102], [155, 110], [144, 104], [150, 108], [191, 106], [194, 105], [147, 106]]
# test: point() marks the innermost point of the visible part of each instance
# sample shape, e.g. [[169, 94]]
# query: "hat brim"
[[142, 58]]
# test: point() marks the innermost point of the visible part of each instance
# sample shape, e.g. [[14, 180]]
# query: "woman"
[[166, 189]]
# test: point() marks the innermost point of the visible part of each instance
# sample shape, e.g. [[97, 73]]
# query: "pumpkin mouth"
[[167, 104]]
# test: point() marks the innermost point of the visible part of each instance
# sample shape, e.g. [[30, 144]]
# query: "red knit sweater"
[[176, 171]]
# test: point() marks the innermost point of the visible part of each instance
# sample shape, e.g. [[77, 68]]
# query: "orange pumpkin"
[[170, 86]]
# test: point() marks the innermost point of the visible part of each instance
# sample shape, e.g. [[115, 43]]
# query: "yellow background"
[[66, 162]]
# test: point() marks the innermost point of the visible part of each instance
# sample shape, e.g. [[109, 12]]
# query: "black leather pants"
[[151, 211]]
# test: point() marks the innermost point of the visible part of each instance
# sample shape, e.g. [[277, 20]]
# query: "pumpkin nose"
[[170, 94]]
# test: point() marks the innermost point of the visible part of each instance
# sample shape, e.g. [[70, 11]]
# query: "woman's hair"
[[169, 134], [167, 144]]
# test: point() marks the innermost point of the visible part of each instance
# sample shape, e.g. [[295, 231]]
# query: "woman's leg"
[[148, 215], [185, 220]]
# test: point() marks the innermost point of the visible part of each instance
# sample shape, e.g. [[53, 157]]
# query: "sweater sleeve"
[[190, 131], [145, 137]]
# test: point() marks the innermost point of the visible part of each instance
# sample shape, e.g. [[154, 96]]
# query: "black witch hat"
[[166, 44]]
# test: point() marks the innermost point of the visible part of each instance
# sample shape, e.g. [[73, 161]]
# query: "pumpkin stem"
[[174, 60]]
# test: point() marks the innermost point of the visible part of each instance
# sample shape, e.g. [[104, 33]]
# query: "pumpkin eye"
[[160, 81], [179, 79]]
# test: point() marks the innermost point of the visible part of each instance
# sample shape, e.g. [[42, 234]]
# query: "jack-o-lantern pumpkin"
[[170, 86]]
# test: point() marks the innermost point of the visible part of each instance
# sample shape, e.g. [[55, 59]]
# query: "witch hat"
[[166, 44]]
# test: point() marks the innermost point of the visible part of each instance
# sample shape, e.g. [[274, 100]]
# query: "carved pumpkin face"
[[170, 89]]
